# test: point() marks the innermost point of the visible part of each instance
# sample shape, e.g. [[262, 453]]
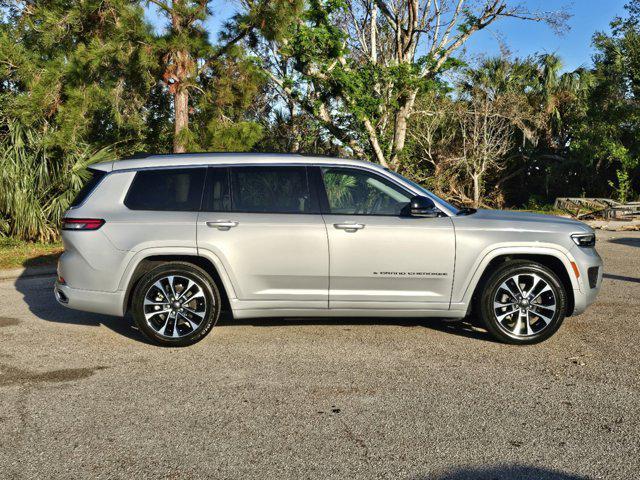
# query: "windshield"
[[419, 187]]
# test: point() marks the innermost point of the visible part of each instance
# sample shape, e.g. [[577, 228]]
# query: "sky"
[[522, 38]]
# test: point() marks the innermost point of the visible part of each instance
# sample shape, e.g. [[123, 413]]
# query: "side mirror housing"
[[424, 207]]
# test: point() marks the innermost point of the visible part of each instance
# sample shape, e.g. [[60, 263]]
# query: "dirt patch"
[[17, 376], [8, 322]]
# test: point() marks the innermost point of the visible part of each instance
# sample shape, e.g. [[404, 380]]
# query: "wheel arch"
[[553, 262], [149, 262]]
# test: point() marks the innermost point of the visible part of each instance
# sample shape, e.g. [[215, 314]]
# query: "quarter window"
[[356, 192], [167, 190], [94, 179], [271, 190]]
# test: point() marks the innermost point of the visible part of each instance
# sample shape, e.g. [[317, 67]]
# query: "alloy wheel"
[[524, 305], [175, 306]]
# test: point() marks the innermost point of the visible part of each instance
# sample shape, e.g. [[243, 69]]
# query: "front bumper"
[[106, 303], [586, 259]]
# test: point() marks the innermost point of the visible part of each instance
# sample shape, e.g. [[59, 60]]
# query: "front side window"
[[357, 192], [166, 190], [271, 190]]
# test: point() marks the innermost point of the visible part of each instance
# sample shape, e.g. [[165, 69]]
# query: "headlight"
[[584, 239]]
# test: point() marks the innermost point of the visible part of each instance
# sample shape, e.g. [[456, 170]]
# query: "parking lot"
[[84, 396]]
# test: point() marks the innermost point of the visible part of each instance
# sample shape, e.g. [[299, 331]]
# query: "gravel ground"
[[83, 396]]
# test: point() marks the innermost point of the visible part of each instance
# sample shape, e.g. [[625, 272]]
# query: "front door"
[[263, 224], [380, 258]]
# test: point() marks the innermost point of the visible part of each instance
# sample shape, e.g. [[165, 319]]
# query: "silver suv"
[[177, 238]]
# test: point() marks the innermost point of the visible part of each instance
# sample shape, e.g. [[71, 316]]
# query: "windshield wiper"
[[466, 211]]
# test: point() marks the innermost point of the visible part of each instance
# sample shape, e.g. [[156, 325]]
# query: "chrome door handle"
[[223, 224], [349, 227]]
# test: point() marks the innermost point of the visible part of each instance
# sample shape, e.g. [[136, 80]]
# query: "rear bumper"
[[106, 303]]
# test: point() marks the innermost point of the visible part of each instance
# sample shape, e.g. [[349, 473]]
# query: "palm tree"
[[37, 187]]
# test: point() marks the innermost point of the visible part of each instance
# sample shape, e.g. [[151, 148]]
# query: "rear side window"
[[271, 190], [166, 190], [91, 183]]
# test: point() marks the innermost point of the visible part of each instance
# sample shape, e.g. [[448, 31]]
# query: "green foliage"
[[232, 137], [36, 187], [78, 72]]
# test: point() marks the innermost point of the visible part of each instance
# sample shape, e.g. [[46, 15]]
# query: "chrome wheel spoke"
[[164, 326], [200, 314], [170, 280], [544, 290], [153, 313], [159, 286], [497, 305], [188, 287], [148, 301], [191, 323], [505, 286], [502, 316], [544, 318]]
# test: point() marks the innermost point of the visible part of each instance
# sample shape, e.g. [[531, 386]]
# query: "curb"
[[25, 272]]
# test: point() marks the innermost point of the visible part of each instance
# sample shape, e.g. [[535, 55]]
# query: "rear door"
[[264, 225], [379, 257]]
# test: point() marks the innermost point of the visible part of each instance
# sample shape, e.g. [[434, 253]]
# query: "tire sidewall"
[[209, 289], [502, 274]]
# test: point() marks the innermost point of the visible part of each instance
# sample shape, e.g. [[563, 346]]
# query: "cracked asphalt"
[[83, 396]]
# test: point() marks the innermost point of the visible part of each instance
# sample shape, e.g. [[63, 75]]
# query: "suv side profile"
[[176, 238]]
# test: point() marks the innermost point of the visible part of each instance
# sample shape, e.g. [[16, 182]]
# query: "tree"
[[78, 72], [606, 142], [74, 78], [192, 66], [355, 65]]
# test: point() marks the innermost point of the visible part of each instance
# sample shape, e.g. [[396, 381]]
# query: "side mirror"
[[422, 207]]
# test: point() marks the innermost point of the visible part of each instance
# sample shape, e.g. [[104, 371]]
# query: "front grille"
[[592, 273]]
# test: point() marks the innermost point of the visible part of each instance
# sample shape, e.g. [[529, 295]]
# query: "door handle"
[[223, 224], [349, 227]]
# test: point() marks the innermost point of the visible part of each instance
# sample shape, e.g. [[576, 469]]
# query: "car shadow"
[[468, 328], [621, 277], [503, 472], [37, 293], [628, 241]]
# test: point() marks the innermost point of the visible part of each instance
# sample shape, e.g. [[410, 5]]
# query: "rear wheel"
[[176, 304], [523, 303]]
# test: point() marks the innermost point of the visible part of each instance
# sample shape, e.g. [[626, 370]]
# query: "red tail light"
[[82, 223]]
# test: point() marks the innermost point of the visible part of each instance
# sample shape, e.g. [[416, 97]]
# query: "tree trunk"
[[181, 111], [375, 144], [400, 128], [476, 190]]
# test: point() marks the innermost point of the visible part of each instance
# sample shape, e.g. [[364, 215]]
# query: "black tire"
[[189, 327], [531, 328]]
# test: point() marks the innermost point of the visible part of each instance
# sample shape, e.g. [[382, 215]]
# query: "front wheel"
[[176, 304], [523, 302]]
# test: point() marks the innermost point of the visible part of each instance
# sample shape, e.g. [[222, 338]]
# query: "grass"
[[16, 254]]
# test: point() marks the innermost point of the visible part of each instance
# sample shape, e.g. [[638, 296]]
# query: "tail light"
[[82, 223]]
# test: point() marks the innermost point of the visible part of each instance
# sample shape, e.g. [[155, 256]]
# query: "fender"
[[140, 255], [469, 284]]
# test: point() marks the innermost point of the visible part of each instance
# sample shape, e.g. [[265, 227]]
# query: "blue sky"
[[522, 38]]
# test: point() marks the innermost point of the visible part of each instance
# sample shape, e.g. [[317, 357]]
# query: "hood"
[[528, 221]]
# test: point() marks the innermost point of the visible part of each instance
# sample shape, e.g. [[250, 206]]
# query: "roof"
[[193, 159]]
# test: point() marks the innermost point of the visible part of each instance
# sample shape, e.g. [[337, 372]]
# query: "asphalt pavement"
[[84, 396]]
